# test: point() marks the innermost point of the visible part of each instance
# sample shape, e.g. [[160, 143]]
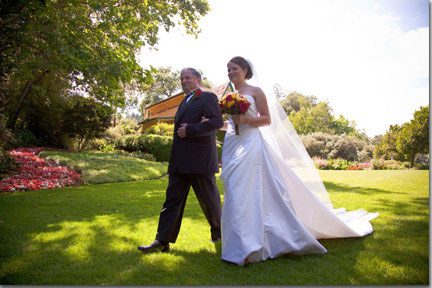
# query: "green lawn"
[[98, 167], [88, 235]]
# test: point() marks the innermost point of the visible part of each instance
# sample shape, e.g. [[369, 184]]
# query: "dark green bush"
[[7, 162], [329, 146], [26, 138], [343, 149], [158, 146]]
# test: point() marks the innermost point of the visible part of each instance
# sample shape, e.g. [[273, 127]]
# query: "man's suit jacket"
[[196, 153]]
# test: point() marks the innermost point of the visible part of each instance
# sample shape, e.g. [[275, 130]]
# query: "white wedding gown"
[[268, 211]]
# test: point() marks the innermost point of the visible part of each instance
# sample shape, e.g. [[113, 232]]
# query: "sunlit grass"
[[88, 235], [98, 167]]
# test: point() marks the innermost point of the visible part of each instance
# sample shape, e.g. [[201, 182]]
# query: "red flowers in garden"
[[36, 173]]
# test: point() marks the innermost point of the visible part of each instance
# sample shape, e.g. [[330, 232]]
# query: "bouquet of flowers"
[[234, 104]]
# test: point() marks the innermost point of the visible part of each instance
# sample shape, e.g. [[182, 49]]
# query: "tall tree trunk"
[[115, 117], [24, 94], [15, 112], [412, 160]]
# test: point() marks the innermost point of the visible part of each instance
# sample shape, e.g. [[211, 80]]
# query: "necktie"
[[189, 97]]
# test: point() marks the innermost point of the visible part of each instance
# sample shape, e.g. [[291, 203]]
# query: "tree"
[[165, 83], [414, 136], [387, 147], [86, 119], [312, 119], [45, 111], [344, 126], [90, 43], [308, 115], [294, 101]]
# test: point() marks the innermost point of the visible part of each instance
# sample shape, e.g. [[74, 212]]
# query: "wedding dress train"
[[268, 211]]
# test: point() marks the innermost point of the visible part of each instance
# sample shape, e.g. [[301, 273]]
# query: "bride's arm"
[[223, 128], [264, 119]]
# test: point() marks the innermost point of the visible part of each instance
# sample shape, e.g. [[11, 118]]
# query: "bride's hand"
[[203, 119], [239, 119]]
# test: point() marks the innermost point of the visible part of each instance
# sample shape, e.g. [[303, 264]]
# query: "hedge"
[[158, 146]]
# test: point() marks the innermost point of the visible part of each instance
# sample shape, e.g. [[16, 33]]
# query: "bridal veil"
[[286, 144]]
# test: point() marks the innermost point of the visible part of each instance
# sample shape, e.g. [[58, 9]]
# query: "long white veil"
[[283, 138]]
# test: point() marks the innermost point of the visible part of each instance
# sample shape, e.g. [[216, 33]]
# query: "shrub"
[[130, 144], [328, 146], [129, 126], [338, 164], [315, 144], [106, 148], [158, 146], [162, 129], [97, 143], [136, 154], [26, 138], [366, 154], [422, 159], [381, 164], [7, 162], [113, 133], [344, 149], [341, 164]]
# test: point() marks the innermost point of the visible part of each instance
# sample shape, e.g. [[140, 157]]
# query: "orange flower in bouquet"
[[234, 104]]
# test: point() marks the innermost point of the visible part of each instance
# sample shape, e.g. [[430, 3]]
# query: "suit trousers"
[[208, 197]]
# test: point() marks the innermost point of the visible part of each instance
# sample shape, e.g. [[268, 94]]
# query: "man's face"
[[189, 81]]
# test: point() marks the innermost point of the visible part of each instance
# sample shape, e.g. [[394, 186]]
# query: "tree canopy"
[[414, 136], [308, 115], [52, 49], [406, 141], [88, 44]]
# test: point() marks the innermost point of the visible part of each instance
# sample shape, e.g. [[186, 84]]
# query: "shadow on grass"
[[88, 236], [339, 188], [66, 232]]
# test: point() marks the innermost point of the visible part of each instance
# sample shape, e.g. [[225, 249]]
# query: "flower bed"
[[341, 164], [36, 173]]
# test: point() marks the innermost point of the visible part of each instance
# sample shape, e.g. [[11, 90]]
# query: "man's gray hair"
[[194, 72]]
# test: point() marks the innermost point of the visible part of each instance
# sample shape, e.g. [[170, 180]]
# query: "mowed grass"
[[88, 235], [98, 167]]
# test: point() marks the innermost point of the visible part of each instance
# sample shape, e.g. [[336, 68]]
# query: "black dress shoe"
[[155, 246]]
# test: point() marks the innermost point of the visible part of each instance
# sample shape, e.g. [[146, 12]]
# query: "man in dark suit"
[[193, 162]]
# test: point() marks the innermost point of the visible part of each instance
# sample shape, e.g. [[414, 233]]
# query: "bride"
[[274, 200]]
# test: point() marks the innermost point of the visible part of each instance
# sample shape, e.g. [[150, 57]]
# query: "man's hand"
[[181, 131]]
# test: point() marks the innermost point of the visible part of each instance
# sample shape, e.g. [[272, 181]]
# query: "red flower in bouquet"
[[234, 104]]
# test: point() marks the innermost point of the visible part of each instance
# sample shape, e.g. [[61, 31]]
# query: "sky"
[[368, 58]]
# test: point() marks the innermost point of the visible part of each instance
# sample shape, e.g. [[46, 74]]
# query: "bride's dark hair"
[[244, 64]]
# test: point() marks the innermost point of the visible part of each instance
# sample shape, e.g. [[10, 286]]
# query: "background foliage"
[[308, 115], [407, 141], [52, 48]]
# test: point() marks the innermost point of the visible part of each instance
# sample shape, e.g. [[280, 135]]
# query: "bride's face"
[[236, 73]]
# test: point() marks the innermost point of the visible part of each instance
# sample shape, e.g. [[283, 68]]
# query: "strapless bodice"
[[252, 111]]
